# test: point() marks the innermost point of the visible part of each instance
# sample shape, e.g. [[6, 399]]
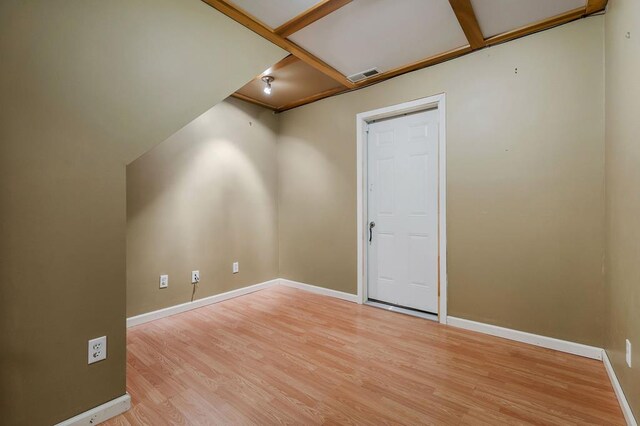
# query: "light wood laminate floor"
[[283, 355]]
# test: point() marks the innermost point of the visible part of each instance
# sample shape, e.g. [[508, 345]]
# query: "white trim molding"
[[101, 413], [622, 399], [184, 307], [177, 309], [320, 290], [362, 119], [532, 339]]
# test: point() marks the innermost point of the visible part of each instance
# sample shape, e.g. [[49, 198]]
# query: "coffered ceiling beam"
[[594, 6], [310, 16], [312, 98], [286, 61], [433, 60], [467, 19], [251, 23], [469, 23], [253, 101], [545, 24]]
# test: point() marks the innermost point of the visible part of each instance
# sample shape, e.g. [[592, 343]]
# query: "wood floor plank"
[[285, 356]]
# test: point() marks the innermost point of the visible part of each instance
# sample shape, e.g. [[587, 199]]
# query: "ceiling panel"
[[275, 12], [385, 34], [293, 80], [499, 16]]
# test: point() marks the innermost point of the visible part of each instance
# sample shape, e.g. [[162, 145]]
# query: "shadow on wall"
[[204, 198]]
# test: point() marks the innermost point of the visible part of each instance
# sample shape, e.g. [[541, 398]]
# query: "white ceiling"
[[275, 12], [499, 16], [383, 33]]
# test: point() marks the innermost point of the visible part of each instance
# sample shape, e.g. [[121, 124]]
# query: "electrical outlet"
[[236, 267], [164, 281], [97, 349], [195, 277], [628, 353]]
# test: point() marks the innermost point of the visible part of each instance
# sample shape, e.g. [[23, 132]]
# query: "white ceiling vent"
[[362, 75]]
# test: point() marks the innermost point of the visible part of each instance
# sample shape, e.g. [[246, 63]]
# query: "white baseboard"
[[320, 290], [624, 404], [177, 309], [558, 345], [101, 413], [532, 339]]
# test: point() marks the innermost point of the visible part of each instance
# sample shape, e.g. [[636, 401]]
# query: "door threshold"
[[401, 310]]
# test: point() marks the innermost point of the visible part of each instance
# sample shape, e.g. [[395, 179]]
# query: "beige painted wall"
[[204, 198], [87, 86], [525, 182], [623, 192]]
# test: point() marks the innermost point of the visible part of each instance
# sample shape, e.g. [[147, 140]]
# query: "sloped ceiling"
[[137, 70]]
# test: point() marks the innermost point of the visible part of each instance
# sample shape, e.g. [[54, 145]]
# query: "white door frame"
[[362, 119]]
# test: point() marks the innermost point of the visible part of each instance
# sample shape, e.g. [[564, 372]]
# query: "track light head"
[[267, 87]]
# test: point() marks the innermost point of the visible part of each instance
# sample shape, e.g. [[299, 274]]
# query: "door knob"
[[372, 225]]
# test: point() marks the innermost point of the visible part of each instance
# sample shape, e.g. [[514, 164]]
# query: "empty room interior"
[[234, 212]]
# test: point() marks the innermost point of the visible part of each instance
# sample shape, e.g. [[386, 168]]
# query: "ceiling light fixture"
[[267, 80]]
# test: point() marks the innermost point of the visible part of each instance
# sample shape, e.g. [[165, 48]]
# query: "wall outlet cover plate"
[[97, 349], [164, 281]]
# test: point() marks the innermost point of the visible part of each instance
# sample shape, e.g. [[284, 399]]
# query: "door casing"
[[362, 120]]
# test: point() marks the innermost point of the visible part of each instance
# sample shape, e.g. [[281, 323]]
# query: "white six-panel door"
[[402, 198]]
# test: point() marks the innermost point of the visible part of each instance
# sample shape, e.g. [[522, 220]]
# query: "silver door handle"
[[372, 225]]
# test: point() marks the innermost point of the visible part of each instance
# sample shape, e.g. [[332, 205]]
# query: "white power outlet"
[[164, 281], [195, 277], [628, 353], [236, 267], [97, 349]]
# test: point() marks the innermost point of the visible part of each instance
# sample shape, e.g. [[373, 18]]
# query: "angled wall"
[[86, 87], [203, 199]]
